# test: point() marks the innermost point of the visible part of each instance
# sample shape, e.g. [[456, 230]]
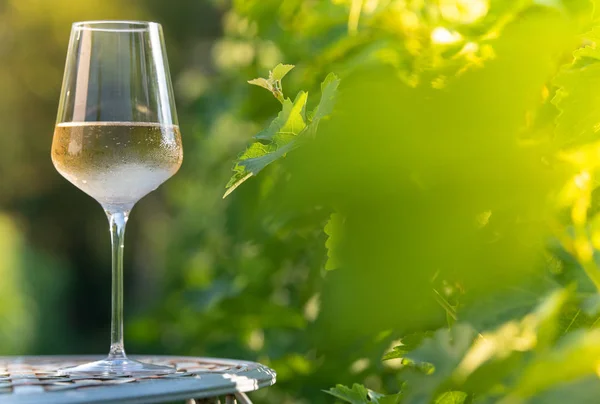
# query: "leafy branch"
[[288, 130], [505, 364]]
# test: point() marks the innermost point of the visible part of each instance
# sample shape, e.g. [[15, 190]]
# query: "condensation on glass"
[[117, 139]]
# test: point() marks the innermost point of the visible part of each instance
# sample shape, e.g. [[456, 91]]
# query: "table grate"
[[30, 376]]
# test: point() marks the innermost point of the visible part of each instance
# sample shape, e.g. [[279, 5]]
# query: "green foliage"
[[273, 83], [585, 390], [435, 359], [359, 394], [456, 139], [451, 397], [576, 98], [508, 364], [286, 132], [573, 358], [333, 229], [409, 343]]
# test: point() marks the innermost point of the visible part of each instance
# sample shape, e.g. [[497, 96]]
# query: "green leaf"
[[491, 311], [264, 83], [576, 356], [329, 88], [444, 349], [286, 131], [537, 330], [436, 358], [546, 316], [333, 229], [397, 352], [359, 394], [584, 391], [409, 343], [273, 83], [280, 136], [256, 164], [289, 122], [389, 399], [591, 305], [280, 71], [241, 174], [578, 96], [451, 397]]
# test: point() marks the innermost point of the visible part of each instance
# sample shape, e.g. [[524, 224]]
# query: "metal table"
[[34, 379]]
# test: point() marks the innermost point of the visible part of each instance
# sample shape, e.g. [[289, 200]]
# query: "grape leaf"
[[578, 96], [279, 135], [591, 305], [359, 394], [451, 397], [333, 229], [497, 353], [273, 83], [287, 131], [264, 83], [409, 343], [280, 71], [289, 122], [329, 88], [489, 312], [576, 356], [434, 361], [584, 391]]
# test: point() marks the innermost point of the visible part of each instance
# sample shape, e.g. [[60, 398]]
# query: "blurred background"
[[197, 280], [247, 277], [55, 263]]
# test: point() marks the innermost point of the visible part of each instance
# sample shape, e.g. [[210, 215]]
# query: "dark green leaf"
[[333, 229], [576, 356], [451, 397], [437, 357], [537, 331], [329, 89], [584, 391], [489, 312], [359, 394], [409, 343], [591, 305], [578, 97]]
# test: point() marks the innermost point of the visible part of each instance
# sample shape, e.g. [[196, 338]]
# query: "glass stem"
[[117, 220]]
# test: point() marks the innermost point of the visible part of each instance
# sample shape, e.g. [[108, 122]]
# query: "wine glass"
[[117, 139]]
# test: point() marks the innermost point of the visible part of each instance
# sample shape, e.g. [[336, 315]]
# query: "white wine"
[[116, 163]]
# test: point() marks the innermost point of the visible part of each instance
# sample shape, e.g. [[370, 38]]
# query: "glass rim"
[[115, 25]]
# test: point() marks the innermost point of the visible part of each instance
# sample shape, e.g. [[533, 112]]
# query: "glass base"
[[117, 367]]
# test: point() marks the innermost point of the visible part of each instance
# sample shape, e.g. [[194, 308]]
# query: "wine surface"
[[116, 163]]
